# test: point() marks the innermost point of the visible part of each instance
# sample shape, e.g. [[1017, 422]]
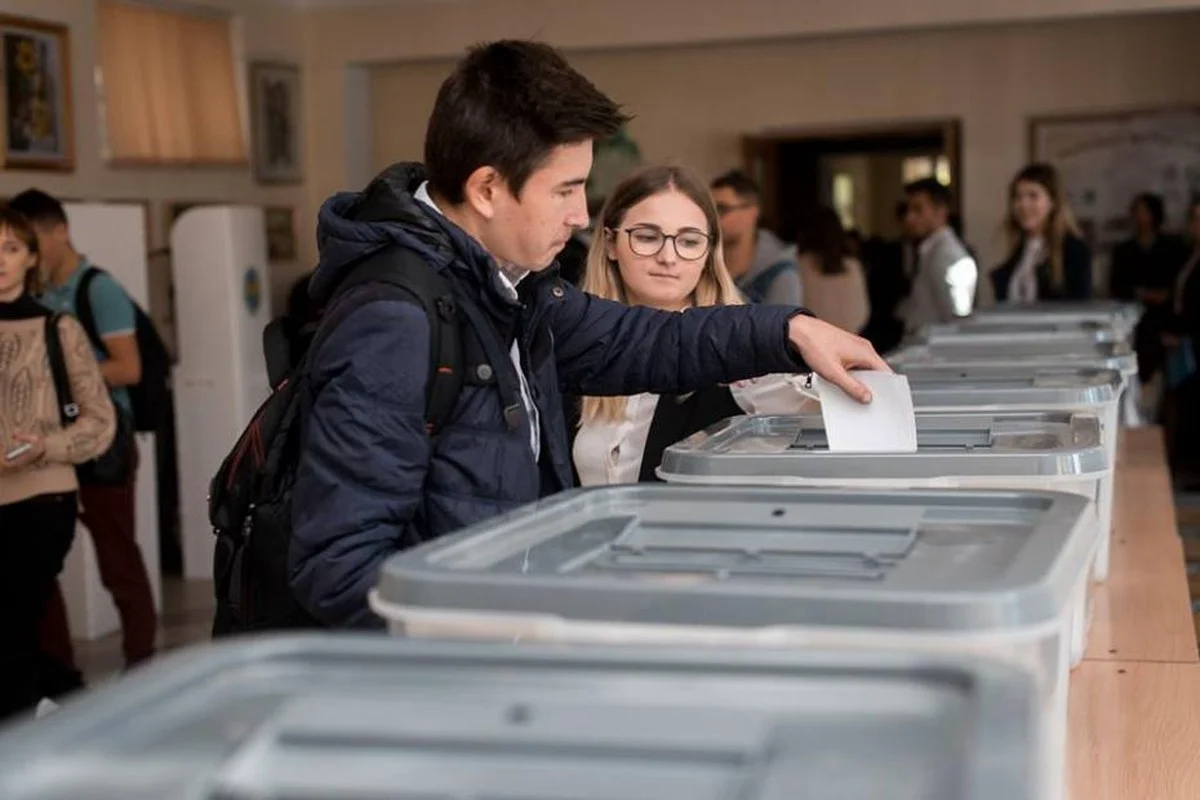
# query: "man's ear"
[[483, 189]]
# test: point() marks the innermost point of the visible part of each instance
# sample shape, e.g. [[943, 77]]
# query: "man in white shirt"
[[946, 275]]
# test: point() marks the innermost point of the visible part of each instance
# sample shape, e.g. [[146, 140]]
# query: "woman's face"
[[1143, 221], [661, 249], [1031, 206], [15, 261]]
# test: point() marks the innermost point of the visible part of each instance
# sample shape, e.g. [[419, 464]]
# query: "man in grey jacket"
[[943, 287], [764, 268]]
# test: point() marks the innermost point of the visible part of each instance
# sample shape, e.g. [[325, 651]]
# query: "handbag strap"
[[68, 409]]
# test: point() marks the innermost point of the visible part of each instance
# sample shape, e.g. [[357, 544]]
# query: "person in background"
[[38, 486], [301, 309], [1181, 341], [944, 275], [835, 288], [658, 245], [508, 149], [764, 268], [1047, 259], [1144, 268], [108, 509], [888, 265]]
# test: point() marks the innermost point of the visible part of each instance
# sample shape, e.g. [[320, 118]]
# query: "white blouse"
[[611, 452], [1022, 286]]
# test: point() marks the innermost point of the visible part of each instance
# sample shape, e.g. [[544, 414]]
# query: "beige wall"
[[269, 31], [413, 31], [694, 103]]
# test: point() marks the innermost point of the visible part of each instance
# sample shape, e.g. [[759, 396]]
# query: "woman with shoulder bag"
[[42, 438]]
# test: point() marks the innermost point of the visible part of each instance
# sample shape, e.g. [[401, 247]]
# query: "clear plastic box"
[[949, 390], [995, 574], [364, 717]]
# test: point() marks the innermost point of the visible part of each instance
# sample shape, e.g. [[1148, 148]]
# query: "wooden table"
[[1134, 724], [1143, 611], [1134, 731]]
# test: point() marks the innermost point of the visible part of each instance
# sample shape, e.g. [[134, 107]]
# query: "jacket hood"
[[352, 225], [769, 250]]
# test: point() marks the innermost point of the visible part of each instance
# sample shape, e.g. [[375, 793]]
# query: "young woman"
[[835, 288], [38, 455], [658, 244], [1144, 268], [1047, 258]]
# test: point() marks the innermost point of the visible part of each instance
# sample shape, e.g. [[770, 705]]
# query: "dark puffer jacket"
[[371, 482]]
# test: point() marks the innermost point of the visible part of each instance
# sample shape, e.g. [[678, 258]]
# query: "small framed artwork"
[[281, 233], [35, 66], [275, 108]]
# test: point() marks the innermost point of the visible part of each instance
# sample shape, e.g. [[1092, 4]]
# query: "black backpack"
[[250, 497], [150, 395]]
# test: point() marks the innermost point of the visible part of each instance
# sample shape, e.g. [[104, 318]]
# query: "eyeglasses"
[[723, 208], [689, 245]]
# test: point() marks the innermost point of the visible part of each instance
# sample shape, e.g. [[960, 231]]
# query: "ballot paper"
[[887, 424]]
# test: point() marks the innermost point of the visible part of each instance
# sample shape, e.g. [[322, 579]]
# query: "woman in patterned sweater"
[[38, 503]]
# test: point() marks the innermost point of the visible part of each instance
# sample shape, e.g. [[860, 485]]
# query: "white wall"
[[693, 104]]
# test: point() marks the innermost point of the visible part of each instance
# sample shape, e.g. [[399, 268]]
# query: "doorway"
[[859, 172]]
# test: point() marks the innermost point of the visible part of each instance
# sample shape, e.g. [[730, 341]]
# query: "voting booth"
[[113, 236], [219, 264]]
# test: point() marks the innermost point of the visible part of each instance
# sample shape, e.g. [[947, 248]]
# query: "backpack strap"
[[757, 290], [376, 277], [68, 409], [83, 306]]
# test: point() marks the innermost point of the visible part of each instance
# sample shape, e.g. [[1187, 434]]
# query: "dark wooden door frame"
[[760, 152]]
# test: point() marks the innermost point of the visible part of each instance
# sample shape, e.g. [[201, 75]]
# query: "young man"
[[508, 149], [945, 274], [107, 509], [764, 268]]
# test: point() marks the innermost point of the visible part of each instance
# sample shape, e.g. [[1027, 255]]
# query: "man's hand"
[[831, 352]]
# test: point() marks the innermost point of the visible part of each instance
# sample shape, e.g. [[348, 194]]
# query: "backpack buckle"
[[512, 416], [445, 308]]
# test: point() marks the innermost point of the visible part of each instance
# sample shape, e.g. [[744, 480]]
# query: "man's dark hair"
[[507, 105], [1155, 207], [932, 188], [742, 184], [39, 207]]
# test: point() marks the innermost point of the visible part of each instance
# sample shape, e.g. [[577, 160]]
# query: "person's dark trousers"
[[60, 675], [109, 515], [35, 537]]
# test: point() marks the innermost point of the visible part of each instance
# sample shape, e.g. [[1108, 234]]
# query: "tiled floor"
[[186, 618]]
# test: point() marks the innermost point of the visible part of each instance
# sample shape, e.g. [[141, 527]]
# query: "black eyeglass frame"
[[673, 238]]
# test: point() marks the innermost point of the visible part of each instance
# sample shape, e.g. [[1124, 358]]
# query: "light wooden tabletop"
[[1134, 726], [1134, 731], [1143, 611]]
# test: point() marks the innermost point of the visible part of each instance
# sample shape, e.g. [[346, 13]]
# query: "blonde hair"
[[602, 275], [1060, 224]]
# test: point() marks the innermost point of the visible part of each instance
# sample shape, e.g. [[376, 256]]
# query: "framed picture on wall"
[[275, 109], [1104, 160], [281, 233], [36, 88]]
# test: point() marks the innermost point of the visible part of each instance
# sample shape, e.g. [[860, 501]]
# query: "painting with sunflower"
[[36, 87]]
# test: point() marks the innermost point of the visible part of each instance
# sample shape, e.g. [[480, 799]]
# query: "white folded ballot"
[[887, 424]]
